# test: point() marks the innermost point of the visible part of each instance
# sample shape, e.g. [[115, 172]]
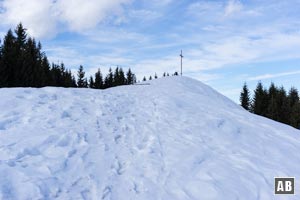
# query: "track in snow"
[[174, 139]]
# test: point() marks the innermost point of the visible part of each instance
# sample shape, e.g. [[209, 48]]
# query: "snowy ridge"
[[173, 139]]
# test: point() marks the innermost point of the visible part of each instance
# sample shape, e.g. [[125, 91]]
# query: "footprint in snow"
[[117, 139]]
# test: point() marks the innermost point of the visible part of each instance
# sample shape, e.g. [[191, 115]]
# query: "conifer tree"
[[81, 80], [116, 77], [23, 64], [295, 115], [284, 109], [109, 79], [8, 60], [19, 67], [245, 97], [155, 76], [150, 78], [293, 96], [122, 79], [91, 82], [260, 100], [98, 80], [130, 77], [272, 111], [144, 79]]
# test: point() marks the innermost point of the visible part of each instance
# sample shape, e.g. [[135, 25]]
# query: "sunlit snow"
[[173, 139]]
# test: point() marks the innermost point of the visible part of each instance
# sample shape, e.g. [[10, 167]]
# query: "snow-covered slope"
[[173, 139]]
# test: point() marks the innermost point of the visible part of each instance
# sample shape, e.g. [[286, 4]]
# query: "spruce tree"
[[19, 67], [295, 115], [8, 60], [245, 97], [81, 80], [122, 79], [293, 101], [98, 80], [150, 78], [260, 100], [130, 77], [293, 96], [144, 79], [116, 77], [273, 109], [284, 109], [109, 79], [91, 82], [23, 64]]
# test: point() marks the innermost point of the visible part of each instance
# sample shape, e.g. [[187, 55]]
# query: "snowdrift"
[[173, 139]]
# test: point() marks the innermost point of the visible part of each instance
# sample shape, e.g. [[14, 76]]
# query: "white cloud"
[[42, 17], [232, 7], [270, 76], [82, 14], [36, 14], [144, 15], [202, 8]]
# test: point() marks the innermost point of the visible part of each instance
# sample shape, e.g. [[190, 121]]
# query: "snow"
[[173, 139]]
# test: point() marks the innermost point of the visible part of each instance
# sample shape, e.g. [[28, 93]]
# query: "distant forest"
[[24, 64], [274, 103]]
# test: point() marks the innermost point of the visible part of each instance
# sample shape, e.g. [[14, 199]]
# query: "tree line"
[[98, 81], [24, 64], [274, 103]]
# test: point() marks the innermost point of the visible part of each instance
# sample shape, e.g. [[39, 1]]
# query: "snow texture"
[[173, 139]]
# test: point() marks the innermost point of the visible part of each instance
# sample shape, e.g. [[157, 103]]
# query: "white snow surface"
[[176, 138]]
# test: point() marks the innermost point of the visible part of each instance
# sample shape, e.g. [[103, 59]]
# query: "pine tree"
[[293, 101], [46, 68], [19, 67], [109, 79], [155, 76], [23, 64], [21, 36], [144, 79], [81, 80], [295, 115], [164, 74], [284, 109], [116, 77], [130, 77], [273, 109], [150, 78], [293, 96], [91, 82], [245, 97], [8, 60], [122, 78], [98, 80], [260, 100]]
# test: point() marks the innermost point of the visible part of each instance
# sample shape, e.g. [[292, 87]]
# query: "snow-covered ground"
[[173, 139]]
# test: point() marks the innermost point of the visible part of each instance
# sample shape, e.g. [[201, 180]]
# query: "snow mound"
[[173, 139]]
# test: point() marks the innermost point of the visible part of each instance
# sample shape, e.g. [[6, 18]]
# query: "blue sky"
[[225, 43]]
